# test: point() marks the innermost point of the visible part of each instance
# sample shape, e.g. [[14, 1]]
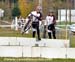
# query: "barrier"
[[71, 53], [29, 47], [10, 51], [42, 52], [55, 43]]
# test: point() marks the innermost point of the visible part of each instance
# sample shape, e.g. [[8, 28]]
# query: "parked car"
[[72, 28]]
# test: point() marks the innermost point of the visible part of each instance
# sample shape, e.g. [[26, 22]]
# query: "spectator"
[[20, 22], [50, 19]]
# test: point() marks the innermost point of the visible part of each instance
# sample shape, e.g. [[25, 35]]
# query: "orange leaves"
[[25, 7]]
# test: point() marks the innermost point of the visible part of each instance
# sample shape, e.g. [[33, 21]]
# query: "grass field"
[[65, 22], [72, 39], [7, 32], [35, 60]]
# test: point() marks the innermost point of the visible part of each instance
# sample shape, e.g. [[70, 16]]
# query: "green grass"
[[12, 33], [7, 32], [72, 39], [35, 60], [64, 23]]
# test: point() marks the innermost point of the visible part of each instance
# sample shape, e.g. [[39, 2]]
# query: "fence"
[[42, 52], [20, 41], [29, 47]]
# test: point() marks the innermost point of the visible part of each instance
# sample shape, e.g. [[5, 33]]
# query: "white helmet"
[[39, 8]]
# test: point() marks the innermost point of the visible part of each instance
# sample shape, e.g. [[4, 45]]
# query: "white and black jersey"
[[50, 22], [35, 16]]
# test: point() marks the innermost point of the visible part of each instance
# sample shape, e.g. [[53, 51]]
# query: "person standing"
[[50, 20]]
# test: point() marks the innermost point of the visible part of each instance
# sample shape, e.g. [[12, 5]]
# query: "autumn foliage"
[[25, 7]]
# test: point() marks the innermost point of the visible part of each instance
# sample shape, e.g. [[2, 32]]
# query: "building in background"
[[62, 15]]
